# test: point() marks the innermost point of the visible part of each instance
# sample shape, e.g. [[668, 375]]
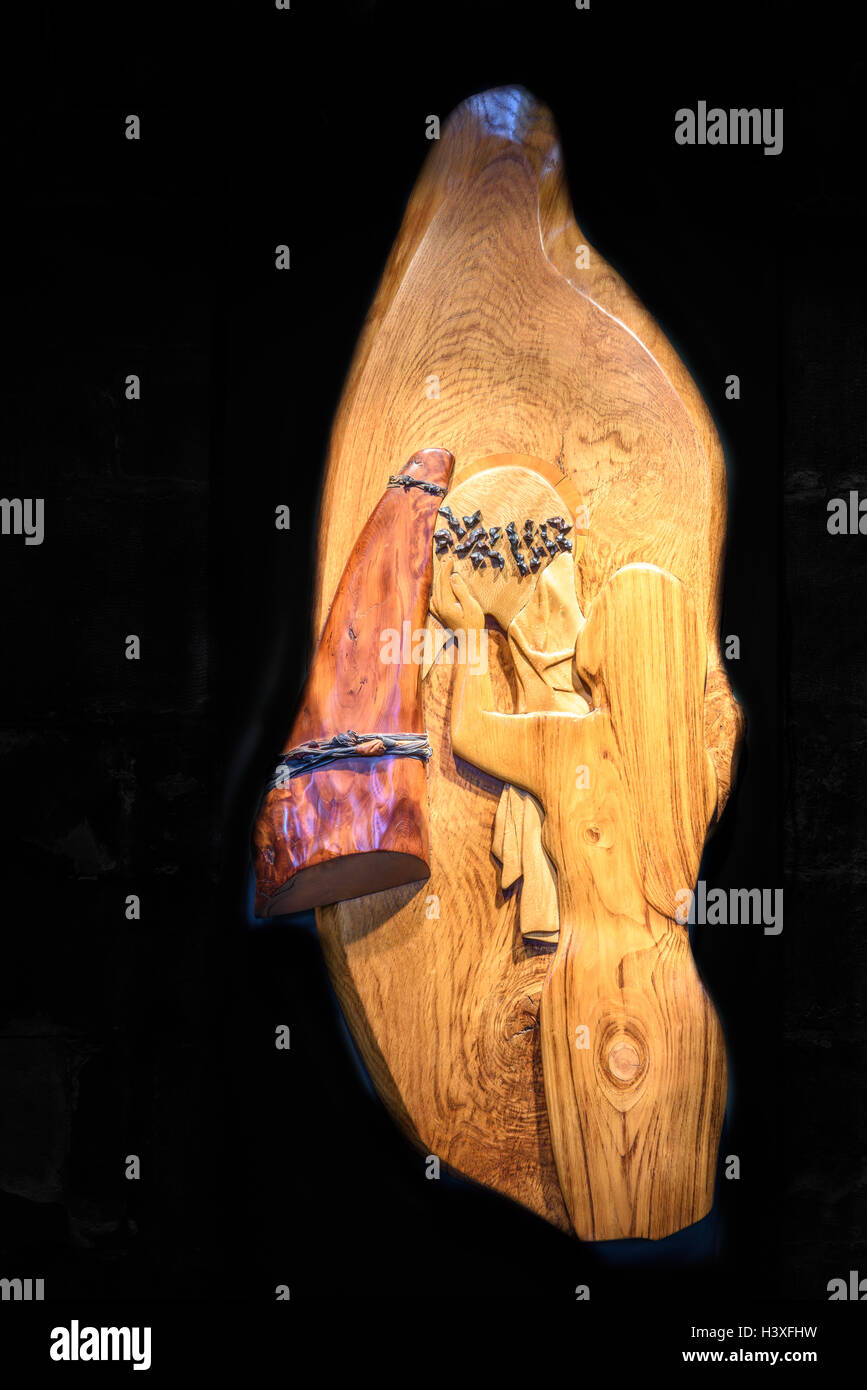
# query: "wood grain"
[[486, 338]]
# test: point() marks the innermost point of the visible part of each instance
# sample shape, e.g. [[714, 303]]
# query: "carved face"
[[510, 496], [533, 598], [539, 613]]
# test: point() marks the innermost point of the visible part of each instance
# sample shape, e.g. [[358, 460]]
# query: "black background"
[[157, 257]]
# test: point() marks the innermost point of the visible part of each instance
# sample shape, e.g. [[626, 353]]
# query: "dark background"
[[156, 1037]]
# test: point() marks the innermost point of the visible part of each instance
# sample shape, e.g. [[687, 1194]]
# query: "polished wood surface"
[[491, 335], [360, 825]]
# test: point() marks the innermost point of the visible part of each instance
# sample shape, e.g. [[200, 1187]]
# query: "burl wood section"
[[361, 822], [469, 1006]]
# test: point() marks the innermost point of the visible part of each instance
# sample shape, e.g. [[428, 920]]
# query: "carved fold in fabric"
[[320, 752], [517, 843]]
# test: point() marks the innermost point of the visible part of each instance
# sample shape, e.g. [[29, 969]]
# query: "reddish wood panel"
[[360, 825]]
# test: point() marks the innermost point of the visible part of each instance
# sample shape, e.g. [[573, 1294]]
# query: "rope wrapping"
[[320, 752], [433, 488]]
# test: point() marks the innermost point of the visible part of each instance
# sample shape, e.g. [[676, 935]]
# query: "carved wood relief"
[[530, 1012]]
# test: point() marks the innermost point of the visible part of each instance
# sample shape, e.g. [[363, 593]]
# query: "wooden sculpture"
[[532, 1013]]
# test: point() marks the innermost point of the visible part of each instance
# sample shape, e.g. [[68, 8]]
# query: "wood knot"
[[624, 1060], [599, 832]]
